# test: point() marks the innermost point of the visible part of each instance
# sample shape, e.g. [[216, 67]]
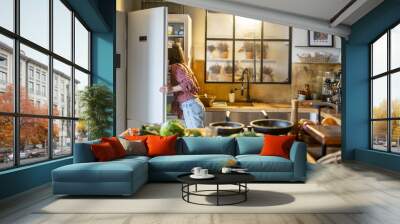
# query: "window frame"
[[16, 114], [388, 74], [262, 41]]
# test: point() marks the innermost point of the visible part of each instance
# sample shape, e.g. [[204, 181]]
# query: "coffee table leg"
[[217, 194], [188, 189], [245, 191]]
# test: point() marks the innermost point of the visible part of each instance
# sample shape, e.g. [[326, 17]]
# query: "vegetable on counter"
[[172, 127], [247, 134], [150, 129], [192, 133]]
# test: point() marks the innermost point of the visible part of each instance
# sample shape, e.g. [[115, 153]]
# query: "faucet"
[[247, 73]]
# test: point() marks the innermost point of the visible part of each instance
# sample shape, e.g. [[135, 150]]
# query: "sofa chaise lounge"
[[125, 176]]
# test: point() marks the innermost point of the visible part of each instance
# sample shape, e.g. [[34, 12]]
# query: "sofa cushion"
[[134, 147], [185, 163], [112, 171], [161, 145], [103, 152], [83, 152], [257, 163], [131, 158], [206, 145], [116, 145], [249, 145], [277, 145]]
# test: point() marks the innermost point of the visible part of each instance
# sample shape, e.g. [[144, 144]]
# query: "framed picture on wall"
[[319, 39]]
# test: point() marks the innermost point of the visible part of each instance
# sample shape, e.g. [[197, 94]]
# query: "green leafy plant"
[[172, 127], [96, 102]]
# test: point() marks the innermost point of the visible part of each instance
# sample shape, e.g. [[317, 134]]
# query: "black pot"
[[225, 128], [272, 126]]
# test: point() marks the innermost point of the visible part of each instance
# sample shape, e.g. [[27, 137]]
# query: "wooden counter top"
[[304, 107]]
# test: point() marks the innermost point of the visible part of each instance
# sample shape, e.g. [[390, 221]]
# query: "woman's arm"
[[170, 89]]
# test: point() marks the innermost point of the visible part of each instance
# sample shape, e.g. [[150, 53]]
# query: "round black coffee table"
[[238, 179]]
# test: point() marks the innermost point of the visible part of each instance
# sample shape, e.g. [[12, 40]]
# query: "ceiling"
[[318, 15], [320, 9]]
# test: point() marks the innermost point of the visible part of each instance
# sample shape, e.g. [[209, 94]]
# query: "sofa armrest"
[[298, 155], [83, 152]]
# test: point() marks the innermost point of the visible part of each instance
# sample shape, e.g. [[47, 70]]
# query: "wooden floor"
[[379, 189]]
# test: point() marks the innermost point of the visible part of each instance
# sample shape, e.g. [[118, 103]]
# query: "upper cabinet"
[[246, 28], [219, 25], [242, 49], [275, 31]]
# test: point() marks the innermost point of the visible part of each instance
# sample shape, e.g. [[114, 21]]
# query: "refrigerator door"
[[147, 66]]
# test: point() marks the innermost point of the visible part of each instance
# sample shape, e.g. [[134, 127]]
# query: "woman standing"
[[185, 88]]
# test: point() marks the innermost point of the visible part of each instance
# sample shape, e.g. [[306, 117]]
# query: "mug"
[[196, 171], [226, 170], [203, 172]]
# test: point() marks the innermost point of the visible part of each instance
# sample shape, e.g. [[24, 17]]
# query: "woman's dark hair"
[[175, 54]]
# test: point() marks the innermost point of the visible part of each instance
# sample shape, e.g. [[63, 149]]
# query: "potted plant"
[[223, 49], [265, 50], [228, 69], [96, 102], [215, 69], [267, 74], [248, 49], [211, 48]]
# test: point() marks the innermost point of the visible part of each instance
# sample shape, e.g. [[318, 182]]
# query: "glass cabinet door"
[[247, 58], [219, 61], [246, 28], [275, 31], [275, 61], [242, 49], [219, 25]]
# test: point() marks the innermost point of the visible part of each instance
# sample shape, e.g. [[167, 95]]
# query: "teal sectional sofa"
[[125, 176]]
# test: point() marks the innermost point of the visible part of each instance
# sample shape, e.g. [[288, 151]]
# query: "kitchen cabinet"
[[235, 44]]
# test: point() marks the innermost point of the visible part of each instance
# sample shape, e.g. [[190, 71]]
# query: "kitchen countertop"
[[304, 107]]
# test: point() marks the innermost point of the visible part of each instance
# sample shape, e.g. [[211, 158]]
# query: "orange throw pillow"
[[277, 145], [142, 138], [103, 152], [161, 145], [116, 145]]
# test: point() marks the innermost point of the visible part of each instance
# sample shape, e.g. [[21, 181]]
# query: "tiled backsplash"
[[302, 74]]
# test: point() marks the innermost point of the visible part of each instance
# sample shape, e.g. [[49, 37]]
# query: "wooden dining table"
[[326, 135]]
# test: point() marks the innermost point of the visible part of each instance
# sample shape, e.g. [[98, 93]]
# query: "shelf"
[[176, 36], [221, 59], [257, 60], [301, 46], [328, 63]]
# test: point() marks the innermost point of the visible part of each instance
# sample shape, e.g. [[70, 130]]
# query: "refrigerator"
[[148, 38], [180, 32]]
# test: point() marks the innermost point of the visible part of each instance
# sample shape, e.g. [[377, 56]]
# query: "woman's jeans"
[[193, 113]]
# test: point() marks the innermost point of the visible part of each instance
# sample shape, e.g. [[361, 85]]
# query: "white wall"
[[300, 39], [121, 73]]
